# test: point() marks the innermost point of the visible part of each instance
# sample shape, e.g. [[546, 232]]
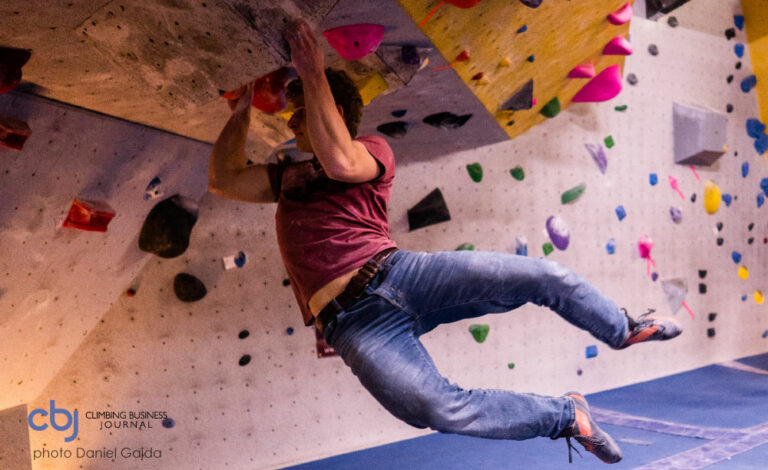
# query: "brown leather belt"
[[354, 291]]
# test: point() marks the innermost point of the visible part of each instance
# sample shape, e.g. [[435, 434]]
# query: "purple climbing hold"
[[654, 276], [531, 3], [558, 232], [598, 155], [676, 214]]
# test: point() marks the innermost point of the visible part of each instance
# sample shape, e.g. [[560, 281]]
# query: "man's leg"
[[376, 339], [448, 286]]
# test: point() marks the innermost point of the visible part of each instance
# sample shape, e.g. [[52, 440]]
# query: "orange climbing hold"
[[91, 216], [13, 133], [622, 15]]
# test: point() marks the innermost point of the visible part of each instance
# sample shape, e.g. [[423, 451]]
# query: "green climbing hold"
[[465, 246], [552, 108], [511, 365], [475, 172], [573, 193], [547, 248], [479, 332], [621, 108], [517, 173], [609, 142]]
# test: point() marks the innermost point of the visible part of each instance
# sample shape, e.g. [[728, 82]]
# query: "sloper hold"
[[605, 86], [552, 108], [355, 41], [622, 15], [429, 211], [522, 99], [188, 288], [446, 120], [168, 225], [396, 129], [585, 70], [618, 46]]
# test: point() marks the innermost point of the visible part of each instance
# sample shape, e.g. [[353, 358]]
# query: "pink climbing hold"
[[355, 41], [644, 246], [605, 86], [622, 15], [585, 70], [618, 46]]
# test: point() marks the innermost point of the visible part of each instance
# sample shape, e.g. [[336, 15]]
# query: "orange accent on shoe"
[[643, 335]]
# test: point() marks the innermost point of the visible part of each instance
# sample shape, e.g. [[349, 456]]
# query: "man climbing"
[[372, 301]]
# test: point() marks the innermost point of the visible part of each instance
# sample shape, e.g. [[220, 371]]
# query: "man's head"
[[345, 94]]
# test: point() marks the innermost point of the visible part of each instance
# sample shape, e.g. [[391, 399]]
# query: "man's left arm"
[[342, 158]]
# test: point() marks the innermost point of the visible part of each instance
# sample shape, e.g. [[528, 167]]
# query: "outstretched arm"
[[342, 158], [228, 175]]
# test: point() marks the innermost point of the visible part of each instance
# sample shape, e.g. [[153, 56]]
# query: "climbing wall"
[[234, 380]]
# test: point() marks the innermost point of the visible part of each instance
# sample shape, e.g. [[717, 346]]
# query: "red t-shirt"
[[327, 228]]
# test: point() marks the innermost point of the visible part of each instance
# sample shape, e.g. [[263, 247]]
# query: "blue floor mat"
[[760, 361]]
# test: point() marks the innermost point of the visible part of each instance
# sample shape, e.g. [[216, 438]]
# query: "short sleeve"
[[382, 152], [275, 173]]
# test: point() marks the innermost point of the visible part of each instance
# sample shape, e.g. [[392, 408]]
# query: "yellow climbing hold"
[[505, 62], [743, 272], [712, 197], [372, 88], [759, 297]]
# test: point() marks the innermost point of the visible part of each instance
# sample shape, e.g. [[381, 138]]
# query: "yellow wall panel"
[[756, 25]]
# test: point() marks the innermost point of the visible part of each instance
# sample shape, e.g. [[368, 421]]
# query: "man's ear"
[[341, 110]]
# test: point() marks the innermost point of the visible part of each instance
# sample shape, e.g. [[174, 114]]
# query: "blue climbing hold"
[[289, 330], [591, 351], [743, 298], [764, 185], [739, 50], [761, 144], [169, 423], [755, 128], [654, 179], [736, 257], [531, 58], [621, 213], [610, 247], [744, 169], [748, 83], [240, 259], [522, 29], [738, 21], [727, 199], [760, 200]]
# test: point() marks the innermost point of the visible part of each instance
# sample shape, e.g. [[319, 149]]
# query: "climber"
[[371, 300]]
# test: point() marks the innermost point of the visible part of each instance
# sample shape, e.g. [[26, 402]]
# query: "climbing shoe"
[[587, 433], [648, 328]]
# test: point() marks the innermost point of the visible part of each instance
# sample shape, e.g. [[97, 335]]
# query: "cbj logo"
[[71, 420]]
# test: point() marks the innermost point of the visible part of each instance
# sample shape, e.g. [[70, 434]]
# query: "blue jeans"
[[378, 337]]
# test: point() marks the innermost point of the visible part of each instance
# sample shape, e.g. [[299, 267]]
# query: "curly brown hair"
[[344, 92]]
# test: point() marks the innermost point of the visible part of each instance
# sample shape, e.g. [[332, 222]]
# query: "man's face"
[[298, 125]]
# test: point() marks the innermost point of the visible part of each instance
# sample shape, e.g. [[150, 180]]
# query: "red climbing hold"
[[13, 133], [622, 15], [585, 70], [11, 62], [268, 91], [618, 46], [355, 41], [603, 87], [456, 3], [91, 216]]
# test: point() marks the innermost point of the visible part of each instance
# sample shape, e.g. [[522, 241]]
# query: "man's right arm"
[[228, 174]]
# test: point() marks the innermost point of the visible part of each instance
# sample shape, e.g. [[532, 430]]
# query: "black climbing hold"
[[632, 79], [712, 316], [729, 79], [653, 49], [243, 334], [531, 3], [693, 197], [750, 240], [729, 108], [719, 241], [710, 332], [522, 99], [730, 33], [738, 65], [751, 226], [394, 129], [672, 21], [509, 123], [167, 227], [410, 55], [531, 58], [399, 113], [245, 360], [702, 288], [289, 330], [702, 273], [719, 226], [430, 210], [188, 288], [286, 282], [446, 120]]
